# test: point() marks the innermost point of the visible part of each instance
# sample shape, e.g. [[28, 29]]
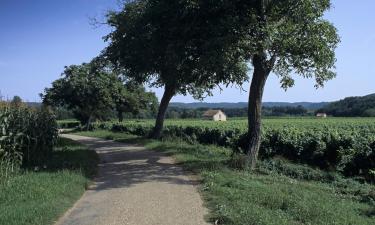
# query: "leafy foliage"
[[134, 99], [173, 44], [85, 89], [93, 90], [27, 137], [167, 42]]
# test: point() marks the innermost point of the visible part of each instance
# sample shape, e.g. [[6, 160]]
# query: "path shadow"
[[123, 165]]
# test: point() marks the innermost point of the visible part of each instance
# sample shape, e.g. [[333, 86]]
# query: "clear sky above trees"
[[38, 38]]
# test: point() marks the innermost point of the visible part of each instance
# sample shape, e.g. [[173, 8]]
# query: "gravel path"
[[136, 186]]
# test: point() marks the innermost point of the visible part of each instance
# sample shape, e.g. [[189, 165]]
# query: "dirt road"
[[136, 186]]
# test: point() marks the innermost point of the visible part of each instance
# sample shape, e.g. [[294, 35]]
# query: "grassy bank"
[[280, 192], [40, 195]]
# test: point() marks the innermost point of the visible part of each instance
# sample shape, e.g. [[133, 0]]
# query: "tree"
[[169, 43], [132, 98], [85, 89], [16, 101], [285, 37]]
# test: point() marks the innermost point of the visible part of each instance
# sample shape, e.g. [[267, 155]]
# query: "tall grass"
[[27, 137]]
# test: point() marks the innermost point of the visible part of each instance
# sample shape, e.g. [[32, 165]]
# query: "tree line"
[[193, 46], [185, 113], [352, 107]]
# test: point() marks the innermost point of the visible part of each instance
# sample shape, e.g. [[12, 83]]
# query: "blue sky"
[[39, 37]]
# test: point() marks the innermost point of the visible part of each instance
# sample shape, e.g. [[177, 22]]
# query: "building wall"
[[220, 116]]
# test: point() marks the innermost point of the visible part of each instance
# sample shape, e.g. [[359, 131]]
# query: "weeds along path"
[[136, 186]]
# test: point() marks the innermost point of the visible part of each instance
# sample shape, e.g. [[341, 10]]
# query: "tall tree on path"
[[169, 44], [286, 37]]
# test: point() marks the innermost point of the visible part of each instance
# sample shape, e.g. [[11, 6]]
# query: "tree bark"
[[258, 82], [169, 92]]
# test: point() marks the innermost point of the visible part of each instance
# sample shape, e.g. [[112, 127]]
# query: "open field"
[[35, 197], [280, 192]]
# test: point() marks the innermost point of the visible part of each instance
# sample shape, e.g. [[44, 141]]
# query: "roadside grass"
[[279, 193], [38, 196]]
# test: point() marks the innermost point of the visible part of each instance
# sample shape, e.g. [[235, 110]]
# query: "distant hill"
[[231, 105], [351, 106]]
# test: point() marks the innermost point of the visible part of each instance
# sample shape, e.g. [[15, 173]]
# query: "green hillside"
[[352, 106]]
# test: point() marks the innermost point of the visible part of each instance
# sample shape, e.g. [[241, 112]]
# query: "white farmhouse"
[[321, 115], [215, 115]]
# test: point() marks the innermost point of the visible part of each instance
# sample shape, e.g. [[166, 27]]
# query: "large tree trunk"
[[258, 82], [169, 92]]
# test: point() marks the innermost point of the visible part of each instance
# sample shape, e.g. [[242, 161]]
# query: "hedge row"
[[67, 124], [349, 149]]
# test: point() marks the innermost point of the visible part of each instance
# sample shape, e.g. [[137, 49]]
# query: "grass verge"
[[279, 193], [41, 195]]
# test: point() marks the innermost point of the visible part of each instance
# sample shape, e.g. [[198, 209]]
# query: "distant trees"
[[132, 98], [285, 111], [169, 44], [16, 101], [183, 113], [84, 89], [352, 106], [91, 91]]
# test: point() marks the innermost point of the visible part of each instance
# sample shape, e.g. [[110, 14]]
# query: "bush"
[[27, 137], [66, 124]]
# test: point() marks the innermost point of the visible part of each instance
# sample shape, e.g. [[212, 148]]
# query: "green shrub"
[[67, 124]]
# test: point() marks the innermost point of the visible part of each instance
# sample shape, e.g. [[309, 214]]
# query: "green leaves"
[[177, 43], [86, 89], [300, 39], [27, 137]]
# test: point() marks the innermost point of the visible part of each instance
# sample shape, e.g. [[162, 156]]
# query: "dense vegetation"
[[184, 113], [352, 106], [346, 145], [27, 136], [42, 195], [41, 175], [94, 91]]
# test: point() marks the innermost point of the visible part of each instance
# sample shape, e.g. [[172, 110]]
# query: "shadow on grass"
[[72, 156], [192, 157]]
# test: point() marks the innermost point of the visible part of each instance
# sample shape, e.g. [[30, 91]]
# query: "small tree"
[[169, 43], [16, 101], [85, 89], [133, 98], [285, 37]]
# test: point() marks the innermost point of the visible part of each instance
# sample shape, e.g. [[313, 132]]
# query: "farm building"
[[321, 115], [215, 115]]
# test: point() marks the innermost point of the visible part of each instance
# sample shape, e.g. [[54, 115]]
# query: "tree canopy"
[[132, 98], [170, 43], [92, 90], [284, 37], [84, 89]]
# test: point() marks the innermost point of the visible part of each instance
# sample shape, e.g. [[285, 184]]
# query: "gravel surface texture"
[[136, 186]]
